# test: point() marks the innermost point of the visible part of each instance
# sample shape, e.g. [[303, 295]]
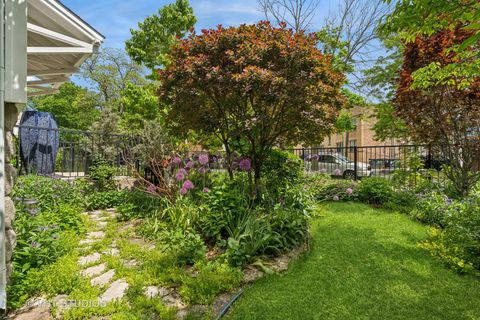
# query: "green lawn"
[[364, 264]]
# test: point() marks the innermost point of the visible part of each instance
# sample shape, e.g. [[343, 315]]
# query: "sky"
[[115, 18]]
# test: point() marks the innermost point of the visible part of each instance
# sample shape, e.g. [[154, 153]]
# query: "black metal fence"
[[71, 153], [383, 161], [68, 153]]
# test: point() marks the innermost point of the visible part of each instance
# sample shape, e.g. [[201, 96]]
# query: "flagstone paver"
[[115, 291], [87, 241], [94, 257], [112, 252], [95, 235], [103, 279], [93, 271]]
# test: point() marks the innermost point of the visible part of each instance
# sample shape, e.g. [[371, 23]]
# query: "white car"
[[338, 165]]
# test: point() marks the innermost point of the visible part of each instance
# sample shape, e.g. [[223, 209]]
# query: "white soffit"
[[58, 42]]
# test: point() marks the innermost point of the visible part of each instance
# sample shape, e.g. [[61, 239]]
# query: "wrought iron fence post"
[[429, 161], [355, 160]]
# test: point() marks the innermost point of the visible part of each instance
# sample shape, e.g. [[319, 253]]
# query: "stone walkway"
[[97, 272]]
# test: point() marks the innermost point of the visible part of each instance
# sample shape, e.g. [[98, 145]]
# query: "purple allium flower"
[[183, 171], [203, 159], [176, 161], [336, 198], [245, 165], [349, 191], [183, 191], [188, 185], [202, 170], [35, 245], [190, 164], [151, 188], [206, 190], [179, 176]]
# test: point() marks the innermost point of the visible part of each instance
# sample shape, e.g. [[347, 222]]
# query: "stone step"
[[95, 235], [103, 279], [93, 271], [94, 257], [115, 291]]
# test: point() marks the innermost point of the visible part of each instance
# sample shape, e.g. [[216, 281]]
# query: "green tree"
[[150, 44], [257, 84], [74, 107], [416, 18], [140, 103], [447, 114], [109, 72]]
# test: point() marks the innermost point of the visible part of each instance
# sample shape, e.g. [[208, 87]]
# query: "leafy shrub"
[[458, 243], [225, 200], [282, 168], [250, 235], [314, 181], [212, 279], [432, 208], [374, 190], [104, 200], [102, 176], [402, 201], [327, 189], [185, 244]]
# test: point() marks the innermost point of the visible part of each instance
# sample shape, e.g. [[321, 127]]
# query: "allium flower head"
[[179, 176], [245, 165], [183, 171], [177, 161], [206, 190], [188, 185], [202, 170], [203, 159], [190, 164], [349, 191], [183, 191]]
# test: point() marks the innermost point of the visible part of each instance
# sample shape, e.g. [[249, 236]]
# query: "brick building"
[[363, 137]]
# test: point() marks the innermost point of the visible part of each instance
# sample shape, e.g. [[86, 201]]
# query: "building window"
[[352, 144], [339, 147]]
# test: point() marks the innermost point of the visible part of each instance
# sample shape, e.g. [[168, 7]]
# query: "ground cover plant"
[[48, 225]]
